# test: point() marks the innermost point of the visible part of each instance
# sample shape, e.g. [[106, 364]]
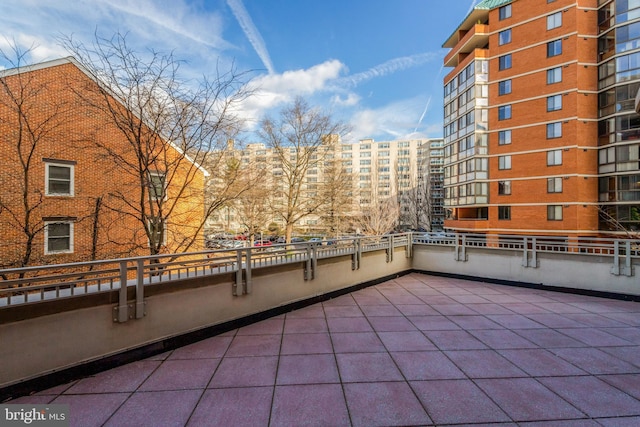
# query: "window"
[[504, 37], [554, 157], [58, 237], [554, 130], [504, 12], [504, 188], [504, 112], [554, 213], [554, 21], [554, 75], [504, 62], [504, 87], [504, 212], [554, 48], [157, 186], [504, 137], [158, 231], [59, 179], [504, 162], [554, 185], [554, 103]]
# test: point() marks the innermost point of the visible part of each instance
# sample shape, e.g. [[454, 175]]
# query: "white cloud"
[[252, 33], [389, 67], [350, 100]]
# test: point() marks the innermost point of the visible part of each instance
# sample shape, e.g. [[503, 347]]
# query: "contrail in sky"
[[389, 67], [423, 113], [252, 33]]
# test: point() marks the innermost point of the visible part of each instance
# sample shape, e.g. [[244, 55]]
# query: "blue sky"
[[375, 64]]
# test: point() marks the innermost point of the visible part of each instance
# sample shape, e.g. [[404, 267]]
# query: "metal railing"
[[48, 282]]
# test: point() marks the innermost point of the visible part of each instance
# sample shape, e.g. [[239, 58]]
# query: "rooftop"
[[416, 350]]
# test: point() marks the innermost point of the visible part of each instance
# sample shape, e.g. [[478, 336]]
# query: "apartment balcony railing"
[[476, 37]]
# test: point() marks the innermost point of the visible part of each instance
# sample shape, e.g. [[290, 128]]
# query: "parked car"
[[260, 243]]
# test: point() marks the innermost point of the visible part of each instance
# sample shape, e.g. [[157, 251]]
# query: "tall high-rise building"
[[540, 131]]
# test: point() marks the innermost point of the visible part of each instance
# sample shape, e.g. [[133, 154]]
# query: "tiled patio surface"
[[417, 350]]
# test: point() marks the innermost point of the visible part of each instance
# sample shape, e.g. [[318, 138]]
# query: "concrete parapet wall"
[[38, 340]]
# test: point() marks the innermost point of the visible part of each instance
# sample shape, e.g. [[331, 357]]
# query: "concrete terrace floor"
[[417, 350]]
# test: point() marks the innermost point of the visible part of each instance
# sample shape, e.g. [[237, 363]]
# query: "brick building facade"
[[64, 193]]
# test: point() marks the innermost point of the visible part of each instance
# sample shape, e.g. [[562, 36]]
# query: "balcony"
[[408, 350], [476, 38]]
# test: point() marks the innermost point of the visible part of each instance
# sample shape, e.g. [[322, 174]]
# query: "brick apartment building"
[[66, 159], [541, 136]]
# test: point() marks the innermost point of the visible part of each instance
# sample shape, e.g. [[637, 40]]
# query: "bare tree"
[[300, 139], [29, 121], [337, 192], [614, 225], [414, 197], [379, 206], [251, 205], [169, 127]]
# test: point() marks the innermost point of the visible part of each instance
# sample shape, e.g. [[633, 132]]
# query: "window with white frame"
[[504, 12], [59, 178], [554, 212], [554, 185], [157, 186], [58, 237], [504, 87], [554, 20], [504, 188], [504, 162], [554, 158], [554, 48]]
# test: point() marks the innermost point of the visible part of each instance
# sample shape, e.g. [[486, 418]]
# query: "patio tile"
[[514, 321], [555, 320], [503, 299], [489, 308], [549, 338], [271, 326], [299, 326], [524, 308], [602, 400], [630, 334], [525, 399], [416, 309], [594, 337], [155, 408], [561, 307], [121, 379], [306, 344], [405, 341], [311, 312], [349, 324], [309, 405], [361, 367], [343, 311], [628, 354], [364, 300], [380, 310], [596, 320], [210, 348], [540, 363], [454, 340], [484, 364], [620, 422], [181, 375], [307, 369], [35, 399], [404, 299], [161, 356], [245, 372], [357, 342], [426, 365], [457, 402], [629, 383], [59, 389], [474, 322], [437, 299], [631, 319], [233, 407], [88, 410], [433, 323], [254, 345], [384, 404], [501, 339], [562, 423], [452, 309], [342, 300], [595, 361], [392, 324], [469, 299]]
